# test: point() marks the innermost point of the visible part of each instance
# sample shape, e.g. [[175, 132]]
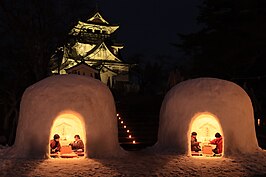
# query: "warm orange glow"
[[129, 136], [119, 118], [68, 125], [258, 122], [127, 131], [122, 122], [117, 114], [205, 125], [125, 126], [134, 142]]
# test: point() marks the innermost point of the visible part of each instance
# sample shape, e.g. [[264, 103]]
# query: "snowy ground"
[[138, 164]]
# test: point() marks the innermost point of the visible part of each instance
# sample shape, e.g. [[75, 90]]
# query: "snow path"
[[138, 164]]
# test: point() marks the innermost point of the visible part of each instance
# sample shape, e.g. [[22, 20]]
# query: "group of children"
[[79, 145], [76, 145], [218, 141]]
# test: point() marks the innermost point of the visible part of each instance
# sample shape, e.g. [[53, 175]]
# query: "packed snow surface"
[[139, 164]]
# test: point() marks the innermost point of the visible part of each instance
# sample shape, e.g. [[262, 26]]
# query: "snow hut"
[[67, 105], [207, 106]]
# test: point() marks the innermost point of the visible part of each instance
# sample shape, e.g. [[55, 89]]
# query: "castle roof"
[[84, 64], [97, 18], [102, 51]]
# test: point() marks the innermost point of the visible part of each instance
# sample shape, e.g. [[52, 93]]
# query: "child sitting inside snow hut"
[[194, 143], [55, 144], [78, 144], [218, 141]]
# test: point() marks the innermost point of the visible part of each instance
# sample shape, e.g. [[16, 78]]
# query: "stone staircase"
[[135, 134], [141, 121]]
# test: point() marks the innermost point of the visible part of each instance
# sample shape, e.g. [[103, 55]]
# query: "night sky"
[[148, 27]]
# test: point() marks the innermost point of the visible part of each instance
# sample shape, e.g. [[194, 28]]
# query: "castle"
[[91, 51]]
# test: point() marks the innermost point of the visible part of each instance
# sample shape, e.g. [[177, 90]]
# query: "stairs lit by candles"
[[135, 134], [125, 133], [140, 115]]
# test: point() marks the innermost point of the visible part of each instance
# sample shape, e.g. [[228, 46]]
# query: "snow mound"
[[86, 98], [222, 99]]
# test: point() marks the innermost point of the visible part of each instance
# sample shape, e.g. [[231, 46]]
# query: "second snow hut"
[[207, 106]]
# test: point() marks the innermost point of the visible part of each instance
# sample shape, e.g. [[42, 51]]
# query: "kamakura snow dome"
[[216, 103], [85, 105]]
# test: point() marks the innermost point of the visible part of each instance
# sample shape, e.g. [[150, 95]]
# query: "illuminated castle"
[[92, 52]]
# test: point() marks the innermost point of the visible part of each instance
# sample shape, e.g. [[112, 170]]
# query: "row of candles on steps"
[[125, 127]]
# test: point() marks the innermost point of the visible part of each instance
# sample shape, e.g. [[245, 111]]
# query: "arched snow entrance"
[[205, 125], [67, 125]]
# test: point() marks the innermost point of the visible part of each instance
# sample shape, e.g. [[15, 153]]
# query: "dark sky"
[[148, 26]]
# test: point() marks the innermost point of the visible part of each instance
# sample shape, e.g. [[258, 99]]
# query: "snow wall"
[[225, 100], [89, 99]]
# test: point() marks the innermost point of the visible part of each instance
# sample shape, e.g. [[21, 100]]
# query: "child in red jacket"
[[194, 142], [55, 144], [218, 141]]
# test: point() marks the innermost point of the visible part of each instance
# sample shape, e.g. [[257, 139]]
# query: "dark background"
[[170, 41], [148, 27]]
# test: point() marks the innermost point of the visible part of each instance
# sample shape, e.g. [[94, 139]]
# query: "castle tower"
[[91, 45]]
